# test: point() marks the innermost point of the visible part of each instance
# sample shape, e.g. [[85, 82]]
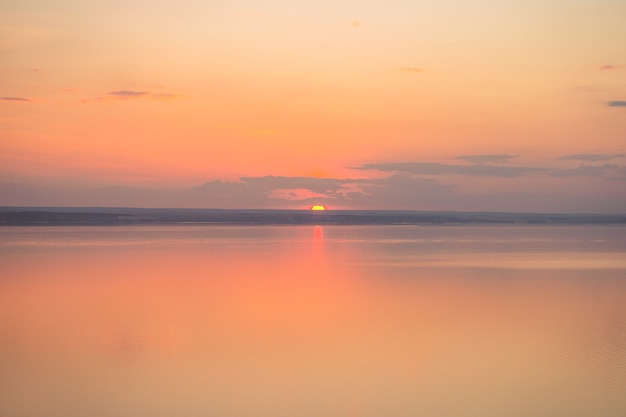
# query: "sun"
[[318, 208]]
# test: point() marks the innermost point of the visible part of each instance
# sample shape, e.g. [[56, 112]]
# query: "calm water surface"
[[186, 321]]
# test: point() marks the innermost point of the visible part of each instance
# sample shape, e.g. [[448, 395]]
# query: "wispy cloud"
[[413, 70], [14, 99], [329, 188], [131, 95], [399, 189], [486, 159], [295, 194], [434, 168], [617, 103], [609, 171], [609, 67], [591, 157], [276, 188], [124, 94]]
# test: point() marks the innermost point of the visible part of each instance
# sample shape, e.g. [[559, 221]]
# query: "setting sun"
[[318, 208]]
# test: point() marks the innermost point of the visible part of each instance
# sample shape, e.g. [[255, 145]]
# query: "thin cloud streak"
[[592, 157], [14, 99], [128, 94], [609, 171], [434, 168], [131, 95], [617, 103]]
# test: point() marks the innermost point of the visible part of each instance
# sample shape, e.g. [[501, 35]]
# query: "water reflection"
[[306, 321], [318, 242]]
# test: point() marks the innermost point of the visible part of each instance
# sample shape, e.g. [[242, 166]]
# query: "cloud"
[[131, 95], [295, 194], [591, 157], [404, 191], [399, 191], [271, 190], [433, 168], [228, 190], [270, 182], [413, 70], [616, 103], [609, 67], [14, 99], [353, 187], [123, 94], [610, 171], [314, 188], [486, 159]]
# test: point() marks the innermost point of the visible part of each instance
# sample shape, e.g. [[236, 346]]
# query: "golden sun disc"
[[318, 208]]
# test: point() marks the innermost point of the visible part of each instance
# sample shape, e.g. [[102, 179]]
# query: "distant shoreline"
[[112, 216]]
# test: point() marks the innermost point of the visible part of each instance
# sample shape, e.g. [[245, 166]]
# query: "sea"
[[312, 320]]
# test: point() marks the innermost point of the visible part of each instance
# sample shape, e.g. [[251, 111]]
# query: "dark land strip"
[[92, 216]]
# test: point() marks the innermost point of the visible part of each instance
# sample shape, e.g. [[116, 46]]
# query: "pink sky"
[[356, 104]]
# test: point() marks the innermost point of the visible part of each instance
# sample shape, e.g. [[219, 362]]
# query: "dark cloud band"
[[14, 99], [591, 157], [432, 168]]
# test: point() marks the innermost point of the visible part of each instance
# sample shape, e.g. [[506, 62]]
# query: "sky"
[[370, 104]]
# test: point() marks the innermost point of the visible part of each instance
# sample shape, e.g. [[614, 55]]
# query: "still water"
[[303, 321]]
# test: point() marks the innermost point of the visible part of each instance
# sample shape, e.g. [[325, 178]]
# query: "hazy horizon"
[[307, 208]]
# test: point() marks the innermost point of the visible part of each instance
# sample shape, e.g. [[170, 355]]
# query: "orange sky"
[[140, 103]]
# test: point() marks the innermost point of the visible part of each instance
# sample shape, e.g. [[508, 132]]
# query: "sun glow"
[[318, 208]]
